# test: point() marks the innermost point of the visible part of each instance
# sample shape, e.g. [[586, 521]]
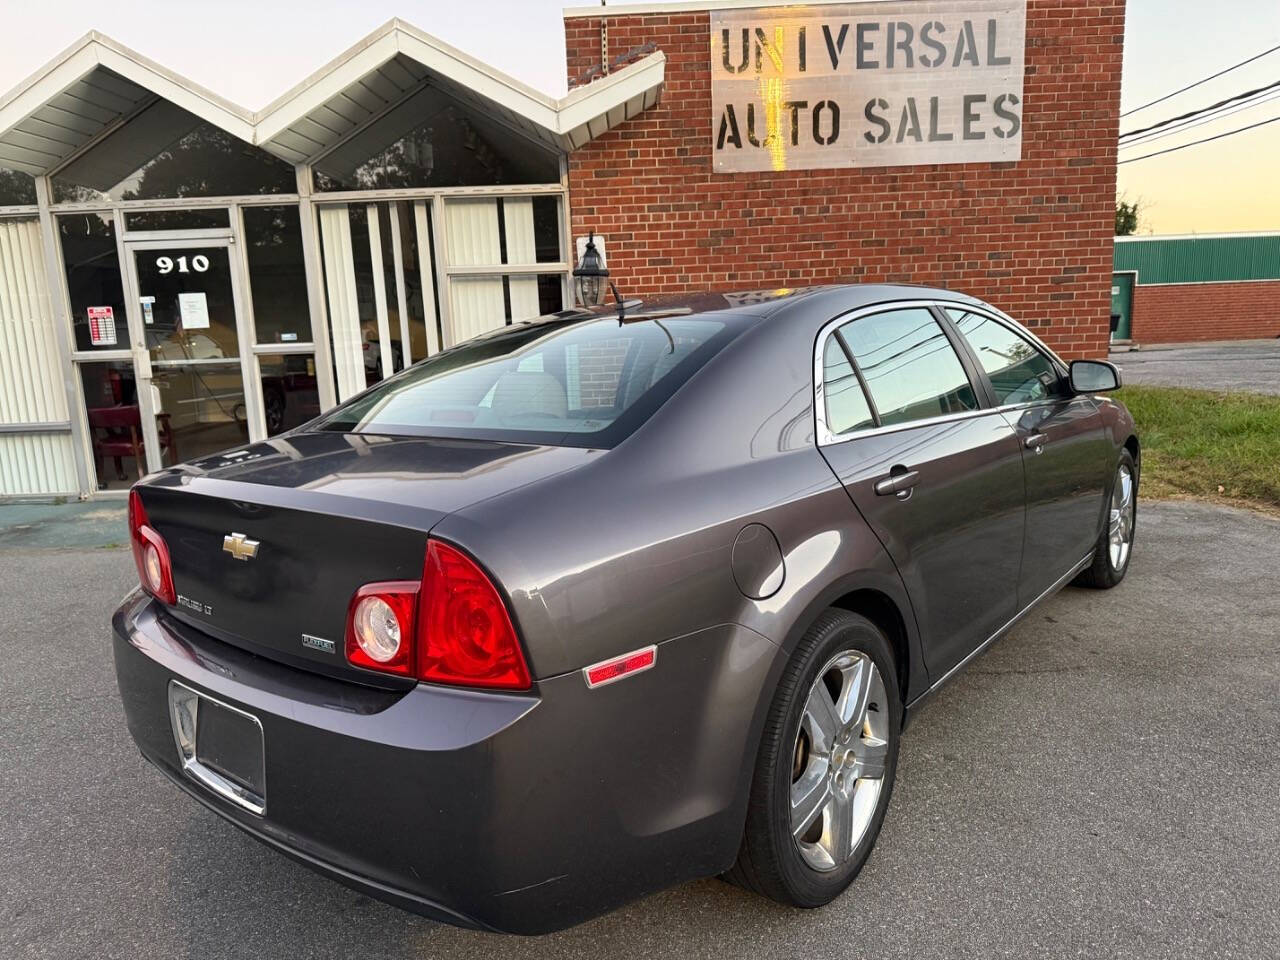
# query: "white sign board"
[[867, 84], [194, 309]]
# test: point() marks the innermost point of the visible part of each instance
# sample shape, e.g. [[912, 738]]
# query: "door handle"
[[1036, 442], [897, 483]]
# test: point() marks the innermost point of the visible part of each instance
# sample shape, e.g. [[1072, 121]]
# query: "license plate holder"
[[220, 747]]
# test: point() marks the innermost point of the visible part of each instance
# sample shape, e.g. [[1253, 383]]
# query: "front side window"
[[1018, 371], [570, 383], [910, 368]]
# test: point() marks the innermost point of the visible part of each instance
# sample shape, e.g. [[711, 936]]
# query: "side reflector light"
[[150, 554], [607, 671]]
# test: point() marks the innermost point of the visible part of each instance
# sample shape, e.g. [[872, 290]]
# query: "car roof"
[[762, 303]]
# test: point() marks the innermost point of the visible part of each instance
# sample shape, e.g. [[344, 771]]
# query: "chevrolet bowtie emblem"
[[239, 546]]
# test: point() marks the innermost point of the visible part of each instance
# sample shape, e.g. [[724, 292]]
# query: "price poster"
[[102, 326]]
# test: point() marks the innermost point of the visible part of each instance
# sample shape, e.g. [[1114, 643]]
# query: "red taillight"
[[451, 628], [465, 635], [150, 554]]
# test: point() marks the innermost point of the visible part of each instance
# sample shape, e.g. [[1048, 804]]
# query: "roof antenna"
[[622, 307]]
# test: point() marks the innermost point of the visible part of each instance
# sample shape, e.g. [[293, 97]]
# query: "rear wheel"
[[825, 769], [1115, 543]]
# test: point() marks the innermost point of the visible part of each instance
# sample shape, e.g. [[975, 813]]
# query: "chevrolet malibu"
[[613, 599]]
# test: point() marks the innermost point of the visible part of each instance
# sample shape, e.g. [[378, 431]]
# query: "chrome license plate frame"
[[248, 790]]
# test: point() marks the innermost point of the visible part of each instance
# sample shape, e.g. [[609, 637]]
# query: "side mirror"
[[1094, 376]]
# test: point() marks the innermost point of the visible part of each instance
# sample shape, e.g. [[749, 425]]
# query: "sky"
[[234, 48]]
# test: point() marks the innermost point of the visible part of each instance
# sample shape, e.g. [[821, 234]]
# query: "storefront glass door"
[[188, 350]]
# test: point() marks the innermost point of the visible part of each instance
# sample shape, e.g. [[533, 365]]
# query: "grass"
[[1223, 446]]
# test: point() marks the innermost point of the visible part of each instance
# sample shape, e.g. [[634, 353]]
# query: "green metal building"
[[1250, 262]]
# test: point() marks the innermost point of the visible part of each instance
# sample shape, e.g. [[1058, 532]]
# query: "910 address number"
[[199, 263]]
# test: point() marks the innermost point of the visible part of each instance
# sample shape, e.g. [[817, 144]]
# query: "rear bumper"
[[522, 814]]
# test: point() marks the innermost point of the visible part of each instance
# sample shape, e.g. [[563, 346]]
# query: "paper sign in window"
[[194, 309]]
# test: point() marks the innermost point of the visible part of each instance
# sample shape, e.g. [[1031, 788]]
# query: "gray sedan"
[[613, 599]]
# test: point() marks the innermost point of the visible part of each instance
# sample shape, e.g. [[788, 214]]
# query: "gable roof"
[[98, 84], [93, 85], [397, 59]]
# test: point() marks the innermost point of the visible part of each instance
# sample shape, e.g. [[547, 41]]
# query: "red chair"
[[117, 433]]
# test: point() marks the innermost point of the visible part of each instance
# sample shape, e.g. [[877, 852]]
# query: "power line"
[[1202, 110], [1193, 143], [1186, 125], [1189, 86]]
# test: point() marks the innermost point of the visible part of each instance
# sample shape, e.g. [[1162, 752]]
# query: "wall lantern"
[[590, 276]]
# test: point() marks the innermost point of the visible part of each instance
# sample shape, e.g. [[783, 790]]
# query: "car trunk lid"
[[269, 543]]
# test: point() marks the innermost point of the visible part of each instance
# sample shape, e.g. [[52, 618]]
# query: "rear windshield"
[[585, 383]]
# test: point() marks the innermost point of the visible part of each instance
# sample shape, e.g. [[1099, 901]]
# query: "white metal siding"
[[30, 379], [31, 389], [36, 464]]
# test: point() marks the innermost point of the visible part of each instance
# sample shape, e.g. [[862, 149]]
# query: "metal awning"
[[398, 60], [98, 84], [93, 86]]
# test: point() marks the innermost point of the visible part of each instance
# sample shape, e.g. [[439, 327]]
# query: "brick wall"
[[1033, 237], [1181, 312]]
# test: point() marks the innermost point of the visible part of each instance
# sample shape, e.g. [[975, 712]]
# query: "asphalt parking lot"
[[1252, 365], [1104, 782]]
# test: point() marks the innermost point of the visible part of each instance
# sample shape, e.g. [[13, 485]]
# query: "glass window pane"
[[93, 279], [546, 228], [16, 188], [211, 219], [483, 303], [289, 394], [166, 152], [579, 383], [202, 409], [277, 274], [430, 140], [847, 407], [420, 290], [115, 424], [1018, 371], [188, 310], [909, 365]]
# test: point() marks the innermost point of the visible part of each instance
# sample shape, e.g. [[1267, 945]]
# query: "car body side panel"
[[655, 519], [957, 538], [1066, 481]]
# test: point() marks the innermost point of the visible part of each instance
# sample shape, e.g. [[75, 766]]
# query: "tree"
[[1127, 215]]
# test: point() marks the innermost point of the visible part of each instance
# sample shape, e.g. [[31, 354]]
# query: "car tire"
[[795, 755], [1114, 549]]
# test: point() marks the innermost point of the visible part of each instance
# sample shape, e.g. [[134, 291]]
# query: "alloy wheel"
[[838, 763], [1120, 537]]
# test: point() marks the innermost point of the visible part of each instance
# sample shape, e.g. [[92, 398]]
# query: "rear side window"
[[847, 407], [1019, 372], [911, 370], [571, 383]]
